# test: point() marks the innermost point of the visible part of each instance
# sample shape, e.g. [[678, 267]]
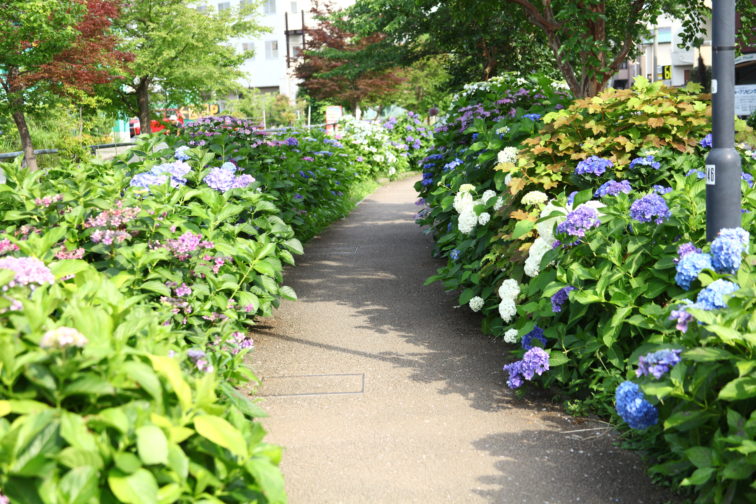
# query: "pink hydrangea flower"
[[28, 270]]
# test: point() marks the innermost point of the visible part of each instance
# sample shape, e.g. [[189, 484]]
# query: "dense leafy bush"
[[572, 253], [130, 290]]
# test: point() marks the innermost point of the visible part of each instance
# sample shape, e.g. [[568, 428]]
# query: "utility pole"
[[723, 162]]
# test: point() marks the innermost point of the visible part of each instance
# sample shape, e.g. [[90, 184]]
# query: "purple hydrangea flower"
[[579, 221], [645, 161], [689, 267], [682, 316], [535, 334], [243, 181], [712, 297], [561, 297], [660, 189], [571, 198], [176, 170], [613, 188], [657, 363], [727, 250], [183, 290], [706, 142], [650, 207], [634, 409], [534, 362], [220, 179], [594, 165], [685, 249]]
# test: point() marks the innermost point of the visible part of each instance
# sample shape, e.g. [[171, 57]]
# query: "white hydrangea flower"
[[487, 195], [507, 309], [498, 204], [391, 171], [466, 188], [534, 198], [484, 218], [535, 254], [463, 201], [545, 228], [509, 289], [503, 130], [467, 220], [507, 155], [508, 179], [476, 303], [510, 336], [62, 337]]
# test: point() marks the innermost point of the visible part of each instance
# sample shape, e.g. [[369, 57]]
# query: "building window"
[[245, 3], [222, 6], [248, 46], [294, 8], [664, 35], [269, 7], [623, 65], [296, 51], [271, 49]]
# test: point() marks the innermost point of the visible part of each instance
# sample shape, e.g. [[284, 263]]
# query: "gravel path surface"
[[381, 392]]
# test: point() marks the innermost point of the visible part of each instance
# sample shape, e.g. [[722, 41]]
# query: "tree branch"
[[538, 18]]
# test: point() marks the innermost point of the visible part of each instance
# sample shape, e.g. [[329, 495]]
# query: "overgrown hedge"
[[568, 226]]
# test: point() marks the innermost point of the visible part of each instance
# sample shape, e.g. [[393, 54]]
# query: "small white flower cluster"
[[487, 195], [534, 198], [476, 303], [507, 155], [464, 204], [62, 337], [508, 292], [545, 240], [483, 218], [510, 336]]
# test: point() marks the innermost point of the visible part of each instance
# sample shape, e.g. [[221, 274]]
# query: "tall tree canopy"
[[181, 51], [329, 70], [51, 47]]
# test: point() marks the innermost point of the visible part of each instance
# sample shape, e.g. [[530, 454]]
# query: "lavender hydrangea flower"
[[727, 250], [660, 189], [561, 297], [534, 362], [681, 316], [685, 249], [177, 171], [535, 334], [220, 179], [571, 198], [181, 154], [613, 188], [689, 267], [712, 297], [645, 161], [579, 221], [657, 363], [452, 164], [29, 271], [748, 178], [594, 165], [650, 207], [634, 409], [147, 179], [706, 142]]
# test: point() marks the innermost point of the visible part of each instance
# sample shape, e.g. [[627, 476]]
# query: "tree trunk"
[[30, 159], [143, 101]]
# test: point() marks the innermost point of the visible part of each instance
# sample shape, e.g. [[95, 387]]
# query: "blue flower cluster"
[[650, 207], [534, 362], [594, 165], [657, 363], [706, 142], [175, 172], [292, 141], [181, 154], [689, 266], [748, 178], [579, 221], [727, 250], [532, 117], [712, 297], [660, 189], [645, 161], [634, 409], [697, 173], [223, 179], [427, 179], [613, 188], [561, 297], [454, 254], [452, 164], [535, 334]]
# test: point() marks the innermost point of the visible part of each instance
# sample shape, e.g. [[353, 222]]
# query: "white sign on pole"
[[745, 99]]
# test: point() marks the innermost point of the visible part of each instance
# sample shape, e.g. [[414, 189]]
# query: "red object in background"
[[170, 116]]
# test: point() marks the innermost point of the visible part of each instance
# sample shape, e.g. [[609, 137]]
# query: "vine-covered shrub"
[[576, 256]]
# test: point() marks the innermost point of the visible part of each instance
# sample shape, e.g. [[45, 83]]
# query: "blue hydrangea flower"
[[594, 165], [427, 179], [535, 334], [712, 297], [660, 189], [532, 117], [181, 154], [697, 173], [685, 249], [634, 409], [689, 266], [579, 221], [177, 171], [452, 164], [292, 141], [613, 188], [228, 165], [147, 179], [657, 363], [645, 161], [454, 254], [571, 198], [727, 250], [706, 142], [748, 178], [220, 179], [650, 207], [561, 297]]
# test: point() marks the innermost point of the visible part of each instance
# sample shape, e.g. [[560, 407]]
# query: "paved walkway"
[[381, 392]]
